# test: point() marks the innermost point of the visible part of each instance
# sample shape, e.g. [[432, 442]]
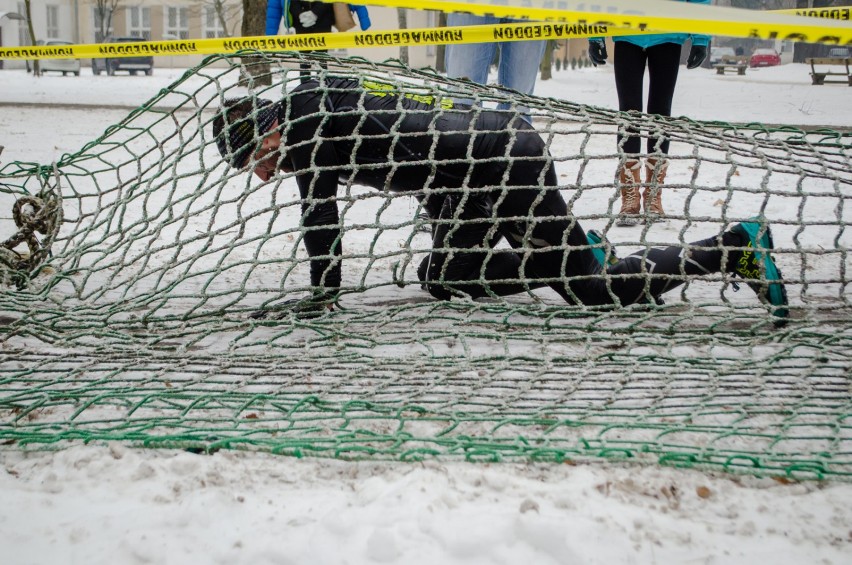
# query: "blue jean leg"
[[470, 60], [519, 64], [519, 60]]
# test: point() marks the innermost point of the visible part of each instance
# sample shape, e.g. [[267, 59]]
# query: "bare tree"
[[402, 18], [104, 10], [29, 12], [254, 23], [228, 14], [254, 18], [440, 52], [546, 65]]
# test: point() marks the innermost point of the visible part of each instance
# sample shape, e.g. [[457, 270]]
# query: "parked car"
[[764, 58], [718, 53], [134, 64], [839, 53], [63, 66]]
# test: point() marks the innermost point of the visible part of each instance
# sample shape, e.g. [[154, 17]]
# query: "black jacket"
[[324, 13], [372, 134]]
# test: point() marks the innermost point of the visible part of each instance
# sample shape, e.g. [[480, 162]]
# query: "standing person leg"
[[630, 63], [663, 66], [518, 70], [469, 61]]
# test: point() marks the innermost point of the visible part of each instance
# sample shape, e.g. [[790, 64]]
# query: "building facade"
[[89, 21]]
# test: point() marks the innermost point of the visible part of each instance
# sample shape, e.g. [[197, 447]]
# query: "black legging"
[[663, 62], [549, 245], [305, 68]]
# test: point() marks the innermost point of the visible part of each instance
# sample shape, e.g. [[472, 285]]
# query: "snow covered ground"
[[112, 504], [782, 94], [120, 505]]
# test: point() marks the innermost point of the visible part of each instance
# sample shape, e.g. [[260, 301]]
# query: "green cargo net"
[[132, 267]]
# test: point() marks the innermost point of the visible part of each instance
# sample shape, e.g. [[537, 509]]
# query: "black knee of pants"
[[463, 261], [437, 290], [454, 238], [497, 274]]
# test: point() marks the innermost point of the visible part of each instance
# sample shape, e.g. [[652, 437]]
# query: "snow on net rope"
[[132, 267]]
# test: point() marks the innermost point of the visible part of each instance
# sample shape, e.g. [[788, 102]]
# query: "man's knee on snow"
[[437, 290]]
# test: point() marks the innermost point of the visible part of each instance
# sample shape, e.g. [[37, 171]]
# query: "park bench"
[[728, 63], [833, 64]]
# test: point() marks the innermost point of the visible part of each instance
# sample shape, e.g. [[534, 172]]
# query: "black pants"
[[305, 68], [548, 246], [663, 62]]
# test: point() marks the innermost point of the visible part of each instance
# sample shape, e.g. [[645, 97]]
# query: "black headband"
[[239, 140]]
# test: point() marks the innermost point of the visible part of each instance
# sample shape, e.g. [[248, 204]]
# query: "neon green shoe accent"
[[599, 244], [755, 264]]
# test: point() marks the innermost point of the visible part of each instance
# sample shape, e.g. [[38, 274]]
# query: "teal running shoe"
[[599, 244], [755, 264]]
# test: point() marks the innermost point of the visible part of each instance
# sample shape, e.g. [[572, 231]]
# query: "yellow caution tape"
[[685, 17], [309, 42], [555, 29], [843, 13]]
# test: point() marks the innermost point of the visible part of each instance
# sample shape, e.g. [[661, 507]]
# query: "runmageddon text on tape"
[[642, 15], [833, 13], [305, 42]]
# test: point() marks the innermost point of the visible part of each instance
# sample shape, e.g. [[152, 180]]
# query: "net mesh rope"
[[131, 268]]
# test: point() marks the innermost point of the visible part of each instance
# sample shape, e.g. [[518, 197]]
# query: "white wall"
[[8, 28], [39, 13]]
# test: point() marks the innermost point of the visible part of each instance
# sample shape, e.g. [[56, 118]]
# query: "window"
[[52, 22], [177, 23], [102, 24], [212, 25], [139, 21]]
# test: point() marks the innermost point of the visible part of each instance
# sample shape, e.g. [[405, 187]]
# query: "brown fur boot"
[[652, 197], [631, 202]]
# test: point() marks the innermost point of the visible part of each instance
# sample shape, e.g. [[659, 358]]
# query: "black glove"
[[597, 51], [696, 56], [313, 306]]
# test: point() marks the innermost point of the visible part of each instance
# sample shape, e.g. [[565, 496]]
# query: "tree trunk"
[[441, 51], [28, 9], [219, 6], [254, 23], [402, 17], [105, 10], [546, 65]]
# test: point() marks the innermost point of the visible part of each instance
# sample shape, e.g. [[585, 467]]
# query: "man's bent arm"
[[320, 218]]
